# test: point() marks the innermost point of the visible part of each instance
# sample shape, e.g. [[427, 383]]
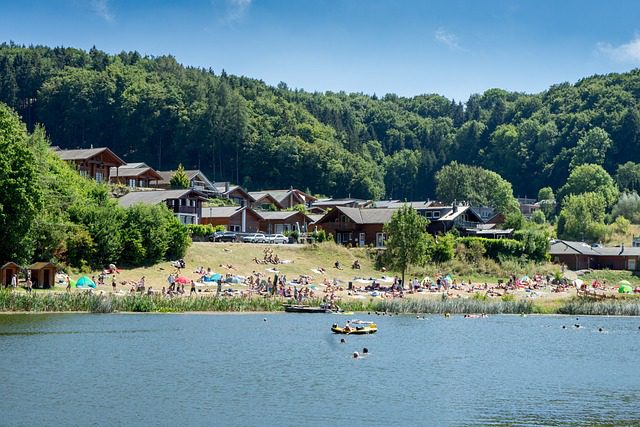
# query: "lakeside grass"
[[106, 303]]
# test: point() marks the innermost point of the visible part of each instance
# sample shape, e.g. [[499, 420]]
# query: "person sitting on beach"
[[356, 265], [337, 265]]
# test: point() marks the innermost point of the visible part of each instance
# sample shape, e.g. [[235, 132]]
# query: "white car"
[[278, 238], [255, 238]]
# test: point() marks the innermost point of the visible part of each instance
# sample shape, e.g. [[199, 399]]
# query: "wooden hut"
[[43, 274], [7, 271]]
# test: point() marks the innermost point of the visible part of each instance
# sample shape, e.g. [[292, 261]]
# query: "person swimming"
[[356, 354], [365, 350]]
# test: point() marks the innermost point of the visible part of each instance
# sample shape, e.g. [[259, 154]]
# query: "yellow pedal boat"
[[355, 327]]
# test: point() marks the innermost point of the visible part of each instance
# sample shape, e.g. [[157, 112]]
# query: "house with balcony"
[[93, 163], [356, 226], [241, 219], [282, 221], [235, 193], [197, 181], [134, 175], [186, 204]]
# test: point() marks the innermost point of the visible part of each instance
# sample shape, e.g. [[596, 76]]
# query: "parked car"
[[223, 236], [255, 238], [277, 238]]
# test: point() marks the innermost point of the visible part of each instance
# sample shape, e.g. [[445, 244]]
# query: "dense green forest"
[[155, 110]]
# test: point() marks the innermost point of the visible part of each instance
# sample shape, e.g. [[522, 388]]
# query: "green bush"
[[494, 248], [203, 230]]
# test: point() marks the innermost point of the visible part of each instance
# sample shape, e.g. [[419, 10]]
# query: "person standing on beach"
[[113, 283], [29, 284], [68, 280], [14, 282], [193, 288]]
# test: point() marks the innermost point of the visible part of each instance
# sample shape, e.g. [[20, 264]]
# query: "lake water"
[[202, 369]]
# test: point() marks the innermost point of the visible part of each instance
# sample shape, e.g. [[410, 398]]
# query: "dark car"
[[223, 236]]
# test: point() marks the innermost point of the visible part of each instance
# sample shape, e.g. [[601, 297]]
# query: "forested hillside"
[[240, 129]]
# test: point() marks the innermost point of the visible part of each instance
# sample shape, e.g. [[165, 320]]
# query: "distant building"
[[186, 204], [233, 218], [94, 163], [197, 180], [580, 256], [134, 175], [359, 227], [528, 206], [234, 193], [283, 221], [285, 199], [327, 204]]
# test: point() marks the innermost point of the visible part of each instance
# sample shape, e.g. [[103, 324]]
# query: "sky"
[[409, 47]]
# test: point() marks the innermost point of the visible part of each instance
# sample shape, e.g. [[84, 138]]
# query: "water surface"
[[202, 369]]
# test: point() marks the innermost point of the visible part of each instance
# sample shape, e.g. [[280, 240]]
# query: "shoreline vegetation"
[[86, 302]]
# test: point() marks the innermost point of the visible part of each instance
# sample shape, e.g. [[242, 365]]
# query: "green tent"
[[85, 282], [625, 289]]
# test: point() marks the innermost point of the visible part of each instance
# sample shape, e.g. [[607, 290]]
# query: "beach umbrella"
[[216, 277], [182, 280], [578, 282], [625, 289], [85, 282]]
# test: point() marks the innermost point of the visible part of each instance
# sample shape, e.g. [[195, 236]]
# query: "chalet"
[[580, 255], [234, 193], [7, 271], [43, 274], [327, 204], [185, 204], [264, 201], [134, 175], [282, 221], [357, 226], [94, 163], [197, 180], [233, 218], [286, 198], [528, 206]]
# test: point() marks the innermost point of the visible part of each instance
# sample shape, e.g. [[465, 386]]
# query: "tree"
[[592, 148], [20, 197], [590, 178], [547, 201], [582, 217], [407, 239], [628, 206], [180, 178], [628, 177]]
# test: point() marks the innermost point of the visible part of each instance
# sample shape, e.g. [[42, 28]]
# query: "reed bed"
[[617, 307], [455, 306]]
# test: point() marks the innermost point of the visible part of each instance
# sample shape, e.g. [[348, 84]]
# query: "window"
[[436, 214], [428, 214], [142, 183], [83, 173], [235, 228], [99, 177], [132, 183]]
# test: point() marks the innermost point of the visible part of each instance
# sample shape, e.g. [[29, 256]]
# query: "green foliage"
[[480, 187], [444, 248], [407, 239], [538, 217], [621, 225], [535, 242], [628, 177], [319, 236], [20, 197], [220, 202], [592, 148], [495, 249], [582, 217], [299, 208], [180, 178], [590, 178], [203, 230], [628, 206]]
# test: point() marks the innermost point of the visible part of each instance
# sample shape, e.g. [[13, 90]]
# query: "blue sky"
[[450, 47]]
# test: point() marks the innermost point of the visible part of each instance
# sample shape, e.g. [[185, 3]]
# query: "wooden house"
[[285, 198], [94, 163], [197, 180], [134, 176], [7, 271], [186, 204], [283, 221], [234, 193], [43, 274], [580, 256], [355, 226], [233, 218]]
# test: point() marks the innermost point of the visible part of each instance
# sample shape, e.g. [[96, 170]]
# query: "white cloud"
[[627, 52], [446, 38], [101, 8], [236, 9]]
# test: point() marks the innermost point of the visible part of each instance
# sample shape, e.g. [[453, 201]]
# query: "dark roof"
[[567, 247], [132, 172], [363, 216], [339, 202], [281, 215], [154, 197], [415, 205], [85, 153], [221, 212], [9, 264], [41, 265]]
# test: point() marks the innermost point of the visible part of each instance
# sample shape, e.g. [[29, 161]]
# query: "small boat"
[[355, 327], [292, 308]]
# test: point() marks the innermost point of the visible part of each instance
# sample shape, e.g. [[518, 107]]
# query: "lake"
[[240, 370]]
